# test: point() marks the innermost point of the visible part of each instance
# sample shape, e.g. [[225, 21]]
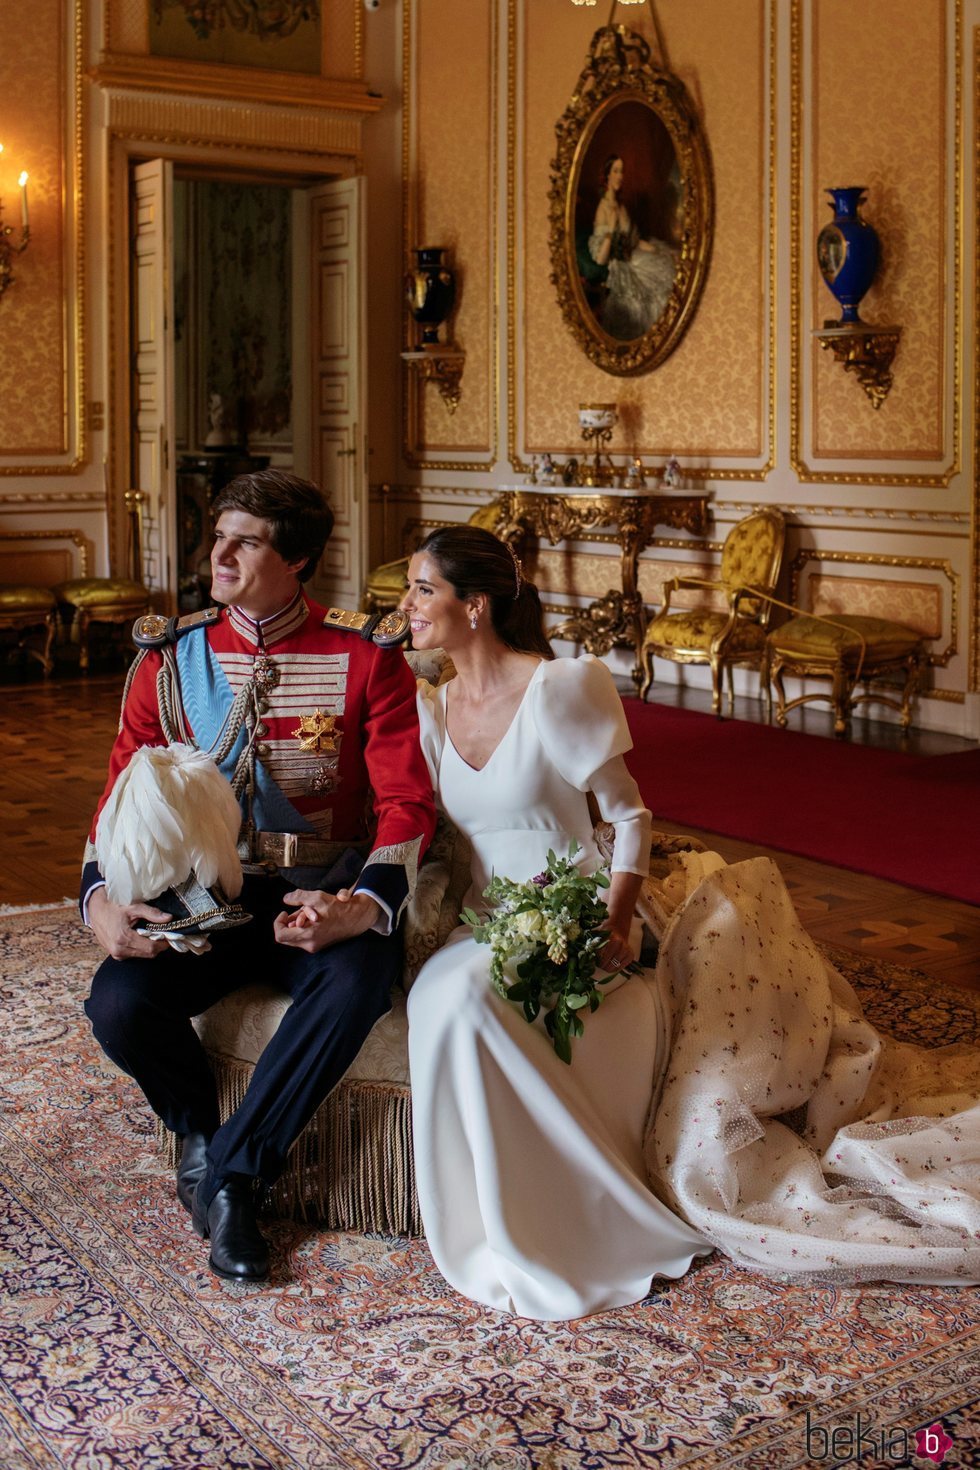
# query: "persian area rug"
[[911, 819], [118, 1348]]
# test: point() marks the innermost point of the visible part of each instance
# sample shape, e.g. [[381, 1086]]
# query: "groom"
[[334, 789]]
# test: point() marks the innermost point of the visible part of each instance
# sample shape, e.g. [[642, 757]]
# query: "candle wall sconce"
[[8, 247], [430, 289], [847, 254]]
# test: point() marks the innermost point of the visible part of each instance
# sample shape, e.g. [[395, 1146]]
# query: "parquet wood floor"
[[54, 743]]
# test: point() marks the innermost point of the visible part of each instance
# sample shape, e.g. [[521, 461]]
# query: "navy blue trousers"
[[141, 1012]]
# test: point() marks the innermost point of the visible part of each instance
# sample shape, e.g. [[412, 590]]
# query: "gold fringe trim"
[[352, 1166]]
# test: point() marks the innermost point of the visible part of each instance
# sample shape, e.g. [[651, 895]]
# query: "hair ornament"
[[518, 569]]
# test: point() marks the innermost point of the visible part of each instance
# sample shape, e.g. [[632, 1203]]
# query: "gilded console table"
[[561, 515]]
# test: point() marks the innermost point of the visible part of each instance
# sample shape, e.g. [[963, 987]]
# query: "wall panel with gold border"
[[42, 365], [712, 404], [449, 171], [889, 118]]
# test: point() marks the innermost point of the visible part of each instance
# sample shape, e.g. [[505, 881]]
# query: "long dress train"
[[734, 1097]]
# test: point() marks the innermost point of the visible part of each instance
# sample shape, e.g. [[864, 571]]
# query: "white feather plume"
[[170, 812]]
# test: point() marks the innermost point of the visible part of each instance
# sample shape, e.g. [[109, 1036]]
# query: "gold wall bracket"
[[865, 351], [442, 366]]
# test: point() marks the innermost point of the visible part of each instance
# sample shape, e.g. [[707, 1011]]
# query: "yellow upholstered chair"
[[750, 561], [847, 649], [22, 608], [385, 586], [100, 600]]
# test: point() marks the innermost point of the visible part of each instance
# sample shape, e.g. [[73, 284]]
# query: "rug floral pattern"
[[119, 1349]]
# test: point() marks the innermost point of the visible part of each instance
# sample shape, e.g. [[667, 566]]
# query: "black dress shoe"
[[238, 1249], [192, 1167]]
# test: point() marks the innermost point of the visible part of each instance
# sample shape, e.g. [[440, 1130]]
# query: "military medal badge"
[[317, 733]]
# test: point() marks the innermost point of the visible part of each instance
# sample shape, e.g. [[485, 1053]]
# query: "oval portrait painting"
[[629, 220], [631, 207]]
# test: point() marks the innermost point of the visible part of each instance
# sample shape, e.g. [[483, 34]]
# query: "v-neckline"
[[513, 721]]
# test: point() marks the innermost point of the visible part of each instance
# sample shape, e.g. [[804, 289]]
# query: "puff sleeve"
[[579, 717]]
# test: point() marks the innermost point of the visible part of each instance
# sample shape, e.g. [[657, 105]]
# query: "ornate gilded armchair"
[[384, 588], [750, 560]]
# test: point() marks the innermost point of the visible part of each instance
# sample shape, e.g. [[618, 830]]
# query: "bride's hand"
[[617, 952]]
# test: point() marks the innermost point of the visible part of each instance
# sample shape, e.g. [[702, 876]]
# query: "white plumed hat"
[[170, 813]]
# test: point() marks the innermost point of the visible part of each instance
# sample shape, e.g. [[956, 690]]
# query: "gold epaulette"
[[153, 630], [386, 629]]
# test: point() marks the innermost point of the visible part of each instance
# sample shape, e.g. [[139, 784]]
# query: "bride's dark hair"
[[473, 560]]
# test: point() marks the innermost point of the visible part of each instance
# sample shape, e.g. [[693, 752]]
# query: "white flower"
[[529, 925]]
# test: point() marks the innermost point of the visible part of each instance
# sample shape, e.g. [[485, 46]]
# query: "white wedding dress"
[[713, 1084]]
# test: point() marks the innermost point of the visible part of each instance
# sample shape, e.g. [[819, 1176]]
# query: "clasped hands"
[[321, 919]]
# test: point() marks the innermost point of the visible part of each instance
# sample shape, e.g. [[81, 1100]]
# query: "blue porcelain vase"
[[847, 252]]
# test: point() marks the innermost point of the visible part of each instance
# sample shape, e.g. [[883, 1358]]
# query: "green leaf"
[[576, 1002]]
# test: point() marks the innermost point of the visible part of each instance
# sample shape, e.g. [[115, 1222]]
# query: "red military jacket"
[[338, 735]]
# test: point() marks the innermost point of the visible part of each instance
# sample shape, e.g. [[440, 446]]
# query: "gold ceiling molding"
[[246, 85], [879, 559], [517, 463], [800, 337], [73, 220], [412, 388]]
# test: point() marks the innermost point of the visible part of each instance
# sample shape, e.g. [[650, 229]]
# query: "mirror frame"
[[619, 70]]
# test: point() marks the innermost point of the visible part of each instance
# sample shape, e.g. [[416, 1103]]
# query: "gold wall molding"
[[238, 125], [800, 341], [857, 512], [973, 673], [515, 256], [878, 559], [242, 85], [73, 218], [51, 498], [415, 453], [71, 535]]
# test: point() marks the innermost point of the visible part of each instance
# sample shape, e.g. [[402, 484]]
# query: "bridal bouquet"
[[548, 932]]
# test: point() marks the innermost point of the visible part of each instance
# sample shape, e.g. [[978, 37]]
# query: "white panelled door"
[[154, 470], [338, 343]]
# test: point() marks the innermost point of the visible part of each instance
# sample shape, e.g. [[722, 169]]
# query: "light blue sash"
[[207, 697]]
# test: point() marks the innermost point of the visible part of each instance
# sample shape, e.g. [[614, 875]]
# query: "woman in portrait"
[[731, 1097], [640, 272]]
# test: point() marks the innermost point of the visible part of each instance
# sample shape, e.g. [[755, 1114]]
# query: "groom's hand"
[[322, 919]]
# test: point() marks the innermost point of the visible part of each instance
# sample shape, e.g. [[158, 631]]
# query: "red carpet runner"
[[912, 819]]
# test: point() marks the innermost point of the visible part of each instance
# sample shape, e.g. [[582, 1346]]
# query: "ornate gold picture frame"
[[631, 207]]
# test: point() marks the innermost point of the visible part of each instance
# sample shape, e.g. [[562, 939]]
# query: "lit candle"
[[22, 181]]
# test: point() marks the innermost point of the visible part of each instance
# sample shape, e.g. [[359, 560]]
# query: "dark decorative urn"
[[847, 252], [431, 291]]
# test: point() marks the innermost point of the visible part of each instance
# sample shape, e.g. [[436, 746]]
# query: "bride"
[[734, 1096]]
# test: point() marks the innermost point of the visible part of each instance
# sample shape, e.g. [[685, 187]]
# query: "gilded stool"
[[101, 600], [847, 649], [23, 607]]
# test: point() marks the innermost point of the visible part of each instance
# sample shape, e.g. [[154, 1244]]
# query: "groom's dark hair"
[[299, 516], [473, 560]]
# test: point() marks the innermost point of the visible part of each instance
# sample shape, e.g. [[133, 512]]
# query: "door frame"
[[201, 158]]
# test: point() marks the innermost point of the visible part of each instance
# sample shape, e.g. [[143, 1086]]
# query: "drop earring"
[[473, 621]]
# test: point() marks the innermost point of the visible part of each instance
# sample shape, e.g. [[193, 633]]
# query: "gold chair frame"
[[719, 655]]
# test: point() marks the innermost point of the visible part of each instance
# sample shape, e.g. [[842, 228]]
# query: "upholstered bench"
[[352, 1167], [100, 600], [22, 608], [847, 649]]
